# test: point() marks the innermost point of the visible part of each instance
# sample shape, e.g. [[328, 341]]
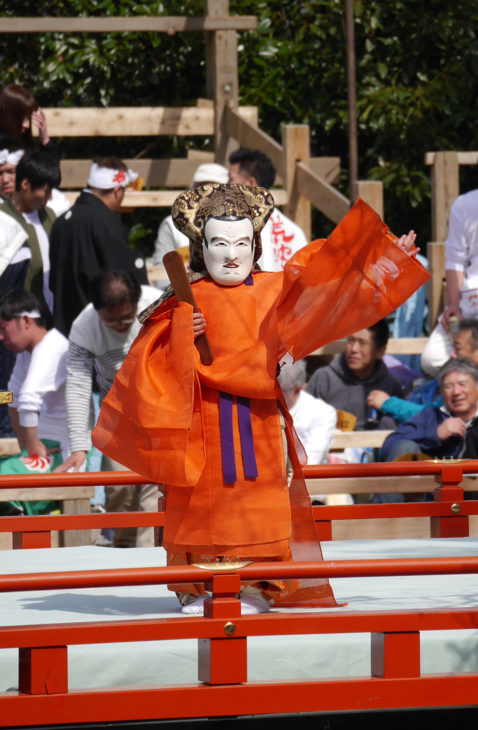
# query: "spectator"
[[441, 432], [347, 381], [465, 344], [90, 238], [38, 412], [36, 174], [99, 341], [314, 420], [10, 155], [461, 269], [19, 111], [281, 237], [169, 237]]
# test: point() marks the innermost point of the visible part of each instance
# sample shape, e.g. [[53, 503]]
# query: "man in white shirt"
[[38, 412], [280, 237], [99, 341], [461, 270]]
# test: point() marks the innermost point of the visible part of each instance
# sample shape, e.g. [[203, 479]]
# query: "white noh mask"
[[229, 254]]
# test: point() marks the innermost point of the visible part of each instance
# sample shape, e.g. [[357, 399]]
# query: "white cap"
[[210, 172]]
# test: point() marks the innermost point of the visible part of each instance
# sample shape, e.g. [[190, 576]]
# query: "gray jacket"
[[338, 385]]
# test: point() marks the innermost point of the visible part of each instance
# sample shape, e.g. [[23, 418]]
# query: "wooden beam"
[[249, 135], [395, 346], [372, 439], [25, 494], [445, 189], [372, 192], [130, 121], [222, 76], [9, 447], [464, 158], [326, 167], [327, 199], [436, 284], [164, 24], [158, 198], [173, 173], [365, 485], [296, 148]]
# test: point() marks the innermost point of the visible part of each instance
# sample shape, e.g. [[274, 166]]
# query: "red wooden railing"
[[223, 690], [449, 512], [395, 681]]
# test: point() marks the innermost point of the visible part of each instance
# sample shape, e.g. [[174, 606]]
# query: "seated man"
[[465, 344], [99, 341], [347, 381], [38, 411], [441, 432]]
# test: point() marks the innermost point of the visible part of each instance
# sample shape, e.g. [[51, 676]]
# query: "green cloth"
[[23, 464]]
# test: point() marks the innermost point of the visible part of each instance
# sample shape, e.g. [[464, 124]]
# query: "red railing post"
[[31, 540], [43, 670], [224, 660], [450, 491], [396, 654], [324, 530]]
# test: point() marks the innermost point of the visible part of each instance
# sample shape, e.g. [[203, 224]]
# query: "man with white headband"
[[90, 238], [10, 155], [38, 411]]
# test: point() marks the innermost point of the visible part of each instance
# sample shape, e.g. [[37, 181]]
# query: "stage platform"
[[297, 657]]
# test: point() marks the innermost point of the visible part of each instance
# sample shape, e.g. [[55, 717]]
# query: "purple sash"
[[229, 472]]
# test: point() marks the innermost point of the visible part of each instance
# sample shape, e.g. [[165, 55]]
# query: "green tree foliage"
[[417, 66]]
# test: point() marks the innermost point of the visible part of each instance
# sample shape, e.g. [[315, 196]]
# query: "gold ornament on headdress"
[[193, 208]]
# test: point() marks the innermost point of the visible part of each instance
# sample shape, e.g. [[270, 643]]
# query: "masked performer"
[[214, 434]]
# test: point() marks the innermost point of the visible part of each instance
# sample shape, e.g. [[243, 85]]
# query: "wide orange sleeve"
[[347, 282], [150, 421]]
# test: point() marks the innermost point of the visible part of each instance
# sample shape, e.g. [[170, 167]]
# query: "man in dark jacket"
[[347, 381], [446, 431], [90, 238]]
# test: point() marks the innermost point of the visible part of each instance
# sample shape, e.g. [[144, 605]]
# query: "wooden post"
[[43, 670], [222, 76], [445, 189], [396, 654], [435, 285], [31, 540], [296, 145], [223, 660], [372, 192], [451, 491]]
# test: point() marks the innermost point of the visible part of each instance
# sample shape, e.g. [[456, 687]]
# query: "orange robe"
[[161, 416]]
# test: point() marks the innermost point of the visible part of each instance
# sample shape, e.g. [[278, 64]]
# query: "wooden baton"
[[174, 265]]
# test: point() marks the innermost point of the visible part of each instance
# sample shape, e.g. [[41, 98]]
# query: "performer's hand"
[[199, 324], [451, 427], [376, 398], [407, 242], [74, 462]]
